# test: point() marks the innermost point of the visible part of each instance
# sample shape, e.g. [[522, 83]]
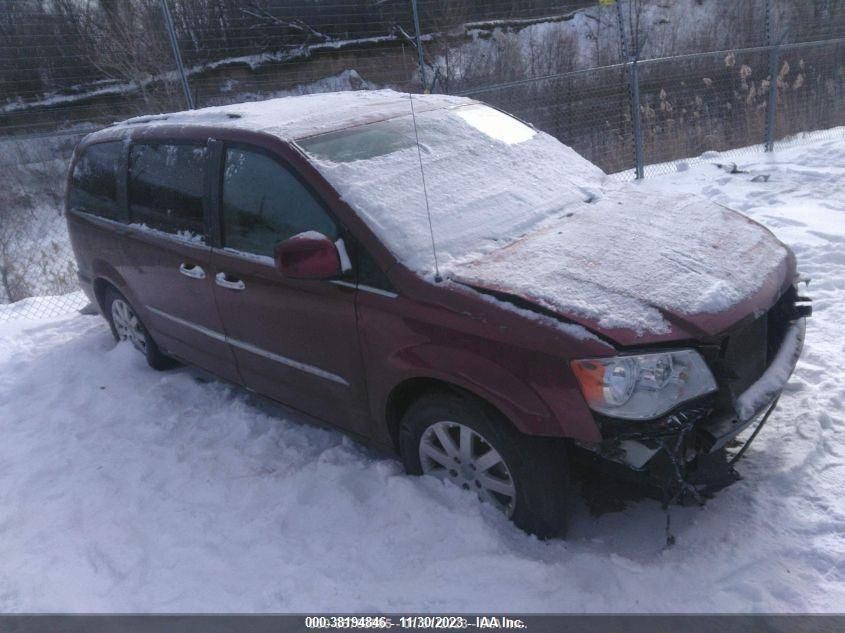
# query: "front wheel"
[[126, 326], [460, 440]]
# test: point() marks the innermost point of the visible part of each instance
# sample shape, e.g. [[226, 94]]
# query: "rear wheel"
[[126, 326], [462, 441]]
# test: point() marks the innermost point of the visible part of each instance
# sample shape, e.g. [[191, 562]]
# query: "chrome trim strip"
[[377, 291], [188, 324], [365, 288], [99, 218], [284, 360]]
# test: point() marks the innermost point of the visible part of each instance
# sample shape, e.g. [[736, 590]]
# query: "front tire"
[[461, 440], [126, 326]]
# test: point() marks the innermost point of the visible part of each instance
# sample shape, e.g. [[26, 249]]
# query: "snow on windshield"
[[490, 179], [496, 124]]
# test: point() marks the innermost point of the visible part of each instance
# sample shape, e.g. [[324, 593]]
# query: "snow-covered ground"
[[122, 489]]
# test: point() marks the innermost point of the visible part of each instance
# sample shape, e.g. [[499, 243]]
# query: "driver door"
[[295, 341]]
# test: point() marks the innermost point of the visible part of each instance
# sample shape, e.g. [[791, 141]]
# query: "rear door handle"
[[232, 283], [192, 271]]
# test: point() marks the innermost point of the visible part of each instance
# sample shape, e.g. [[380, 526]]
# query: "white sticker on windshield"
[[495, 124]]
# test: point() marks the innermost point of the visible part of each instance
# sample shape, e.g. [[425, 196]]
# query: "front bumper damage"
[[688, 455]]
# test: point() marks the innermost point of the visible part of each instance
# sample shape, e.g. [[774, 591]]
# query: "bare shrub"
[[35, 254]]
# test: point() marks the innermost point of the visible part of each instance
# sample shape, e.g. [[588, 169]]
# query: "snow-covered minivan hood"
[[641, 268]]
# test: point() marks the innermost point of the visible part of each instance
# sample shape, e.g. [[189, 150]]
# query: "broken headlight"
[[644, 386]]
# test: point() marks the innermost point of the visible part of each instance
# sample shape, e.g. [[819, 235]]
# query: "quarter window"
[[264, 203], [166, 186], [93, 184]]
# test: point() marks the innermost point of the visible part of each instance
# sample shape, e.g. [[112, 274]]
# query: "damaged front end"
[[688, 453]]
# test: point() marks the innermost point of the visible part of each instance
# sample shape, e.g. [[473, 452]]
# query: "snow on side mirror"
[[309, 255]]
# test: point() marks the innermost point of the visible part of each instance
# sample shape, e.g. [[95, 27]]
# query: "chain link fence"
[[633, 85]]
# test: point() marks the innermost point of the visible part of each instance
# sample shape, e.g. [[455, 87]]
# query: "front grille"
[[746, 355], [746, 352], [782, 314]]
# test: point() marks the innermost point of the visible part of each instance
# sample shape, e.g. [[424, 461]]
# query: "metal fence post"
[[636, 118], [633, 73], [174, 44], [418, 37], [772, 105]]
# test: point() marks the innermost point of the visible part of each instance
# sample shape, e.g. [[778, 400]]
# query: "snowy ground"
[[122, 489]]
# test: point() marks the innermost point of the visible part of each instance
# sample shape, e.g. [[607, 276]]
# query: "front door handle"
[[192, 271], [232, 283]]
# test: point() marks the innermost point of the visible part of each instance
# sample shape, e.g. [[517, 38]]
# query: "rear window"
[[93, 183], [166, 185]]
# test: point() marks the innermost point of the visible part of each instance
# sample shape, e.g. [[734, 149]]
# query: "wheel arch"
[[105, 276], [101, 286], [403, 395], [409, 390]]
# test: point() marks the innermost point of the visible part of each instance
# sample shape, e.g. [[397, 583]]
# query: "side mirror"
[[309, 255]]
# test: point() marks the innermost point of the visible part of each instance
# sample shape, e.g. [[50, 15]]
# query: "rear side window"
[[264, 203], [166, 186], [93, 183]]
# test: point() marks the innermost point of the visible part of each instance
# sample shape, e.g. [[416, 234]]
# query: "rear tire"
[[126, 326], [536, 467]]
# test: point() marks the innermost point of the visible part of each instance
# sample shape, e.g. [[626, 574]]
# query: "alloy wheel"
[[455, 452], [127, 325]]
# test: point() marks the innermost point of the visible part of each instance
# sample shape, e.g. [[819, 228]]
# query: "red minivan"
[[444, 281]]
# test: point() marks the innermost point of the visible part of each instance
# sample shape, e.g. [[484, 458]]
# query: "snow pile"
[[35, 308], [123, 489]]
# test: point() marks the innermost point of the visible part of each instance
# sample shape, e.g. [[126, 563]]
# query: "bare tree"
[[126, 42], [633, 37]]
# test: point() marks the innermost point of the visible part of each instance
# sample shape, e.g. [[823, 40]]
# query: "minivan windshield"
[[490, 179]]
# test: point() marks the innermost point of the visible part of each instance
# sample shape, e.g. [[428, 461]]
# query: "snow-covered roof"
[[291, 118]]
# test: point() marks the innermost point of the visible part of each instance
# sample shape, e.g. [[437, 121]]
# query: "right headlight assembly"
[[644, 386]]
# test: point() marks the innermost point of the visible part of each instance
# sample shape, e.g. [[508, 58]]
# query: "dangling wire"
[[437, 276]]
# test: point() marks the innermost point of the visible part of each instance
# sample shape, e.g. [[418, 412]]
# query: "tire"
[[536, 468], [126, 326]]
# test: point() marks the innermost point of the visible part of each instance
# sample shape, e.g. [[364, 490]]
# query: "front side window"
[[166, 186], [93, 183], [264, 203]]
